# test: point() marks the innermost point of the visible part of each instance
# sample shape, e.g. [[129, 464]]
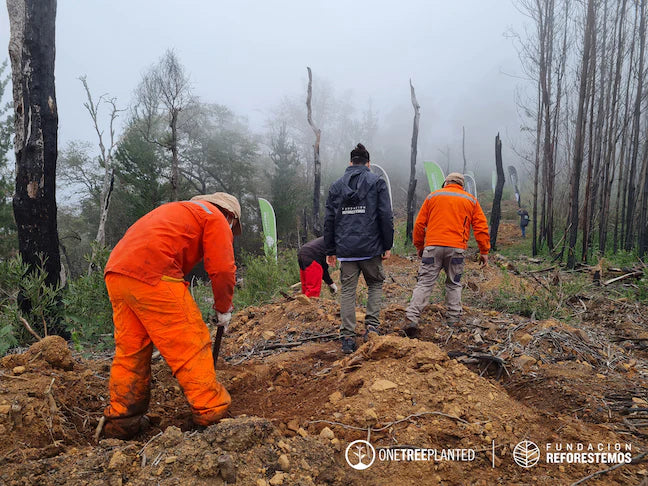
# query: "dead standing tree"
[[636, 127], [32, 53], [579, 141], [411, 190], [613, 122], [463, 147], [317, 166], [105, 159], [175, 93], [496, 213]]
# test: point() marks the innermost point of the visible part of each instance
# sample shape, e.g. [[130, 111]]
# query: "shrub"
[[8, 318], [202, 293], [16, 281], [88, 313], [402, 247], [264, 278], [11, 273]]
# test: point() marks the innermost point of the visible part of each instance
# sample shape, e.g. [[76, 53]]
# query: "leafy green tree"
[[222, 155], [288, 189], [141, 185]]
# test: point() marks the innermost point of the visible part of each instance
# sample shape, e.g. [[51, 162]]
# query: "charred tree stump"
[[496, 213], [411, 190], [317, 165]]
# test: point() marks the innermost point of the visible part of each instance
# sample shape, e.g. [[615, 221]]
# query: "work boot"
[[126, 428], [369, 329], [411, 329], [453, 321], [348, 345]]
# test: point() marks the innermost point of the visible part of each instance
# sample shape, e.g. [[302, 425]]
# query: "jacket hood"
[[356, 183]]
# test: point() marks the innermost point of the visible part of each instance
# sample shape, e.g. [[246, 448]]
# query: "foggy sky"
[[249, 54]]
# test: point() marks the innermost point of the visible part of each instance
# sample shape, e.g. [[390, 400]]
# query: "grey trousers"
[[434, 259], [372, 271]]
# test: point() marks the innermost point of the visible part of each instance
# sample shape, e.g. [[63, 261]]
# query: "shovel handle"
[[217, 343]]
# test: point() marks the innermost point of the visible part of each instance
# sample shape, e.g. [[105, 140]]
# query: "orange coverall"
[[152, 306]]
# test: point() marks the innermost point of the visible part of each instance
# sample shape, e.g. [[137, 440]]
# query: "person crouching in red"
[[313, 268]]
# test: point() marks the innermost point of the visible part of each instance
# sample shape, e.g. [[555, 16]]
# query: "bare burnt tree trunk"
[[173, 124], [32, 52], [546, 67], [579, 141], [622, 189], [590, 156], [536, 169], [642, 245], [497, 198], [611, 139], [599, 137], [304, 235], [618, 237], [317, 166], [557, 110], [463, 147], [106, 159], [411, 189], [631, 202]]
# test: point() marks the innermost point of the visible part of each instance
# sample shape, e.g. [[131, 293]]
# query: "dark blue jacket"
[[359, 220]]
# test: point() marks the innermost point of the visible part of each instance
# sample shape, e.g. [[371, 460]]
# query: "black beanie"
[[359, 155]]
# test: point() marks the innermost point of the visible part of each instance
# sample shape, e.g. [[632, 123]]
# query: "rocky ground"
[[498, 379]]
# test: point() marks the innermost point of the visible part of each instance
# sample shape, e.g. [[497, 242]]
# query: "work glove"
[[223, 319], [333, 288]]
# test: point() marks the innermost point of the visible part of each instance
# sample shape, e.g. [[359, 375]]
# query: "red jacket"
[[171, 239], [446, 217]]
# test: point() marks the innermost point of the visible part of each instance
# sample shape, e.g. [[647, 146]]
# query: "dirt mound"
[[47, 400], [246, 450], [409, 392], [52, 349]]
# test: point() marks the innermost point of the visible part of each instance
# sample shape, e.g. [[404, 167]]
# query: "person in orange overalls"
[[152, 306], [440, 235]]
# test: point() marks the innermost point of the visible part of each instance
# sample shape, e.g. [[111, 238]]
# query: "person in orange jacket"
[[441, 233], [152, 306]]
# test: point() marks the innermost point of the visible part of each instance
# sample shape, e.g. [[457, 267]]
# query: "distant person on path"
[[358, 231], [152, 306], [313, 268], [524, 220], [441, 234]]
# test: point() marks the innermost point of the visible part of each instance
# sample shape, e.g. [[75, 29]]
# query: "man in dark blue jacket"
[[358, 231]]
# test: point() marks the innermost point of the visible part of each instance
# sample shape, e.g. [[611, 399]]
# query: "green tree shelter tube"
[[269, 223], [435, 175]]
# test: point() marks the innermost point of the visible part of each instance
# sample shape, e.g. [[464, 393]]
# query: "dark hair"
[[359, 155]]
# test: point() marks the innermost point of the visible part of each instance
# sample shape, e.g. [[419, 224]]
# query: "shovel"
[[217, 343]]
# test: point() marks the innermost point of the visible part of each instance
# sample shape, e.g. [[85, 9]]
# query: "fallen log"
[[634, 274]]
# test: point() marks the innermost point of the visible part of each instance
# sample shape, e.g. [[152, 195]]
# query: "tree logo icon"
[[360, 455], [526, 454]]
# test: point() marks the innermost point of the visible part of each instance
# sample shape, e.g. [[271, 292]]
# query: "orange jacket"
[[446, 217], [171, 239]]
